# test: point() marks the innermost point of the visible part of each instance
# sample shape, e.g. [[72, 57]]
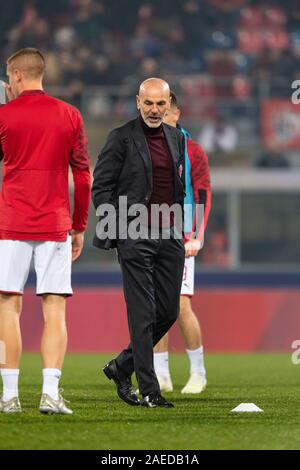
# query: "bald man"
[[143, 160]]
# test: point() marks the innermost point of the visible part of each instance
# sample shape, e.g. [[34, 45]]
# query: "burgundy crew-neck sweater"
[[162, 165], [163, 191]]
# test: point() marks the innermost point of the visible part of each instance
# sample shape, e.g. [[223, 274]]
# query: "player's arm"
[[2, 103], [200, 178], [80, 165], [107, 170]]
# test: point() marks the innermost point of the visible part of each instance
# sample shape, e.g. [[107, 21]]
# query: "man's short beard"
[[150, 124], [154, 125]]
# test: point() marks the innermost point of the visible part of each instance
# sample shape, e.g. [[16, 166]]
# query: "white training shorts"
[[187, 286], [52, 263]]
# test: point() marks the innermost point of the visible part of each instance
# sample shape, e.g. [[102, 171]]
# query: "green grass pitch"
[[102, 421]]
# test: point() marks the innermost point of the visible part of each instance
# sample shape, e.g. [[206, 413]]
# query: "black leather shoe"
[[125, 388], [155, 400]]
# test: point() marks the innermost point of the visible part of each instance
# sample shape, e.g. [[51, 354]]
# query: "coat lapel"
[[172, 143], [173, 146], [141, 145]]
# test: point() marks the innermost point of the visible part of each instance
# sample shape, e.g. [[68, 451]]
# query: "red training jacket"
[[40, 137]]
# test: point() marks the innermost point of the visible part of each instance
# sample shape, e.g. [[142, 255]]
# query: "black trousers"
[[152, 272]]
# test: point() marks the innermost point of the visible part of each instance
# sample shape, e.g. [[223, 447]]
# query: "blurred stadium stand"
[[229, 62], [232, 64]]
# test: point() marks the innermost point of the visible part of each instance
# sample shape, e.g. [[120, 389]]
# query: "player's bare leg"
[[189, 324], [10, 335], [55, 337], [161, 364], [163, 345], [53, 349], [191, 332]]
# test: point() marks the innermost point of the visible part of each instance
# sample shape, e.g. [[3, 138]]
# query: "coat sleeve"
[[108, 169]]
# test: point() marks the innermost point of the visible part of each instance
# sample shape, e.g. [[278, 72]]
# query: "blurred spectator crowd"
[[238, 50], [98, 42], [222, 57]]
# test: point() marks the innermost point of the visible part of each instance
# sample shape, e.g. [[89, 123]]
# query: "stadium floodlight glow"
[[247, 408]]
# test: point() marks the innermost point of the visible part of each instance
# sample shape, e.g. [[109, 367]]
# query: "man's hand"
[[77, 244], [192, 248]]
